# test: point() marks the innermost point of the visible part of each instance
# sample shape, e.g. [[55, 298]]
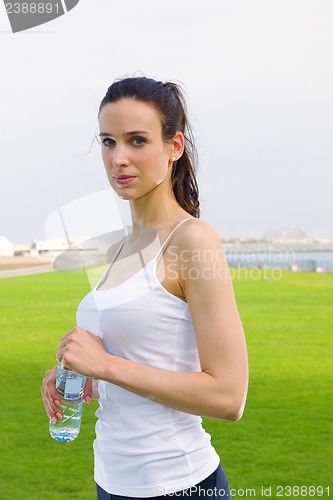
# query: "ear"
[[178, 144]]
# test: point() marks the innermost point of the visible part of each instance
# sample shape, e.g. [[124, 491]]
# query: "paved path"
[[9, 273]]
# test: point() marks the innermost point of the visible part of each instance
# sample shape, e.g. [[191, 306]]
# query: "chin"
[[124, 194]]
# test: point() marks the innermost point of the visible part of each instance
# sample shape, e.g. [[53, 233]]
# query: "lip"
[[123, 180]]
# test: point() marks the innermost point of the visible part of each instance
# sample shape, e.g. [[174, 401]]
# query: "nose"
[[119, 157]]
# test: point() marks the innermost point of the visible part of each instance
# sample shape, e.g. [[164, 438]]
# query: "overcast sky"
[[259, 79]]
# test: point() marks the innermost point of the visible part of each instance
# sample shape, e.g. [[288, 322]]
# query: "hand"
[[83, 352], [51, 398]]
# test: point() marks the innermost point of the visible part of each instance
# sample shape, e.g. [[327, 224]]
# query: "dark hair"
[[168, 99]]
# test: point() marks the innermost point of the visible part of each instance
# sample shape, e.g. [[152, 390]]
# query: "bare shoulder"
[[203, 270], [197, 234]]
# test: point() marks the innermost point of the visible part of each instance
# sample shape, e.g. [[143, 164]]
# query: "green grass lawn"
[[285, 437]]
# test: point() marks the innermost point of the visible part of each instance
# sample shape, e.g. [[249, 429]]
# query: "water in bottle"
[[70, 387]]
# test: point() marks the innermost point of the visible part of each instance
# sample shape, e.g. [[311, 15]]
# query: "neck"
[[157, 208]]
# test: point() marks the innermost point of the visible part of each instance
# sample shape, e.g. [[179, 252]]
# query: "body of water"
[[282, 259]]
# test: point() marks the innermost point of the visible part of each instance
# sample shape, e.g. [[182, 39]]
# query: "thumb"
[[87, 391]]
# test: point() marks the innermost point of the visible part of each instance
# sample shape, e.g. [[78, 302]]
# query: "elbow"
[[231, 410], [235, 414]]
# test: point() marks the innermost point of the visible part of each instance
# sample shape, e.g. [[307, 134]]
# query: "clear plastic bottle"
[[70, 387]]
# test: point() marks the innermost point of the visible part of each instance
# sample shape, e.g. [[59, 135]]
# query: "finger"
[[65, 337], [60, 355], [50, 396], [52, 408], [87, 391], [63, 344]]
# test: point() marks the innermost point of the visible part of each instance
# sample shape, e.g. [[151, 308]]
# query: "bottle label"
[[73, 388]]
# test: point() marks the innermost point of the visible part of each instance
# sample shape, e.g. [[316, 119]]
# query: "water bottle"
[[70, 387]]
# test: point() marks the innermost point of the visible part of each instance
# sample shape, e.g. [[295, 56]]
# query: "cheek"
[[155, 163], [160, 172], [105, 157]]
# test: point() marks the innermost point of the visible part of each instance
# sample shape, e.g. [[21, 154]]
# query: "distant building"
[[46, 246], [6, 247], [22, 250], [286, 233]]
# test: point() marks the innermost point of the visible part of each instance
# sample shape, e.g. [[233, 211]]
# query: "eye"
[[138, 141], [108, 142]]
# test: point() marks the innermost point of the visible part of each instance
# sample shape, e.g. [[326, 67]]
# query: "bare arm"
[[219, 390]]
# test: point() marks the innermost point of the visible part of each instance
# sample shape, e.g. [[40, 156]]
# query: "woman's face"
[[135, 156]]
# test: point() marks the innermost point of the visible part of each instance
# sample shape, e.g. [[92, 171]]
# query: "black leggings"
[[214, 487]]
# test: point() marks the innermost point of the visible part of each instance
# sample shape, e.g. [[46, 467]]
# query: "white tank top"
[[143, 448]]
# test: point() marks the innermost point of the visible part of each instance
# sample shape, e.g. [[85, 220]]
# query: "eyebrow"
[[132, 132]]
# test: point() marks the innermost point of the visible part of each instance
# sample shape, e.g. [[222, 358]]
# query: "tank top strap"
[[166, 241], [106, 273]]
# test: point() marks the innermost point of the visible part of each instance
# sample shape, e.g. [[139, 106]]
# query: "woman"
[[160, 332]]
